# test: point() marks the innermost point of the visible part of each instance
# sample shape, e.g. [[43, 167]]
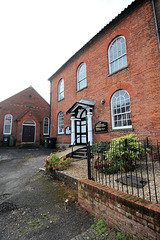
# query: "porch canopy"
[[81, 121], [83, 103]]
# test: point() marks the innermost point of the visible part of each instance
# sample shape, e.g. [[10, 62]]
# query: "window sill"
[[127, 66], [60, 134], [122, 129], [81, 89], [60, 100]]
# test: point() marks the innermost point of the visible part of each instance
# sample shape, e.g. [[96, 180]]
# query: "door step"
[[80, 154], [28, 145]]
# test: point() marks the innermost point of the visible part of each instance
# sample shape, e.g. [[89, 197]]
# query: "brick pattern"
[[135, 217], [141, 78], [20, 106]]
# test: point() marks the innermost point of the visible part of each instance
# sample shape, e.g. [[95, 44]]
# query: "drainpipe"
[[50, 107], [156, 22]]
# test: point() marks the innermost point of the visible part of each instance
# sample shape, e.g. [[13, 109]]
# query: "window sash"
[[82, 84], [121, 110], [61, 90], [7, 124], [46, 126], [117, 55], [60, 123], [81, 77]]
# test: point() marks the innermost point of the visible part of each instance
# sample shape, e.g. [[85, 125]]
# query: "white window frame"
[[121, 58], [61, 90], [60, 123], [83, 78], [46, 133], [121, 110], [10, 118]]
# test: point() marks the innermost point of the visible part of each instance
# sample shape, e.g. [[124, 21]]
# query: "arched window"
[[61, 123], [61, 90], [81, 76], [121, 110], [46, 126], [117, 54], [7, 124]]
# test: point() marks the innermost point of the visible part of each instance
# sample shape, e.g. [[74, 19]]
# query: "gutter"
[[156, 22]]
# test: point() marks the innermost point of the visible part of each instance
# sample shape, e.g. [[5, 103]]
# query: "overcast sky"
[[38, 36]]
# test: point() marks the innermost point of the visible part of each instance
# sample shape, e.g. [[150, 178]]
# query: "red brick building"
[[25, 117], [111, 86]]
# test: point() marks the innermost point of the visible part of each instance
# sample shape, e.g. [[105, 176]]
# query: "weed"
[[121, 236], [45, 216], [100, 226], [27, 158]]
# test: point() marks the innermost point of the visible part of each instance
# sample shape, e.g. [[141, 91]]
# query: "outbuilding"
[[24, 119]]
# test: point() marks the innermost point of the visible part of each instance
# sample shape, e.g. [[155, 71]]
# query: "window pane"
[[7, 129], [83, 138], [78, 138], [120, 63], [83, 129], [82, 84], [78, 129], [129, 122]]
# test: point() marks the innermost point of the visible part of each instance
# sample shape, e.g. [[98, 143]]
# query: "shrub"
[[126, 147], [100, 147], [121, 155], [53, 162]]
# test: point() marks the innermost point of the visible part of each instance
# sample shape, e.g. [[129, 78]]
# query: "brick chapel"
[[24, 118], [111, 86]]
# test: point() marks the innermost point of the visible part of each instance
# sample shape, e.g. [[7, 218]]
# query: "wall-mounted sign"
[[101, 127], [68, 130]]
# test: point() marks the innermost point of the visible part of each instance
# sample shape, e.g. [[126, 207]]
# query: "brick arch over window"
[[121, 32], [126, 86]]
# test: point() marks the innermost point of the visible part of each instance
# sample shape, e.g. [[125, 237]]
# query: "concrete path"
[[68, 151]]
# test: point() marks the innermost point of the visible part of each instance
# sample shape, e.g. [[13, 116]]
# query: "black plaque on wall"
[[101, 127]]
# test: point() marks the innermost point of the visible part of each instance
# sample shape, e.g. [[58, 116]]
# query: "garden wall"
[[66, 178], [137, 218]]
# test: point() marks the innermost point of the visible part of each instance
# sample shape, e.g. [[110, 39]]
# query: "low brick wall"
[[66, 178], [137, 218]]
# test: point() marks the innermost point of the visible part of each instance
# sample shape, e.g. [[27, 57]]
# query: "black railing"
[[134, 169], [73, 144]]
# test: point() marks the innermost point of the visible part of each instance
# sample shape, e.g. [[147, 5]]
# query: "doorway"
[[28, 131], [81, 128]]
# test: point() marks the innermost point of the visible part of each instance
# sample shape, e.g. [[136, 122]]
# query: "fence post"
[[89, 160]]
